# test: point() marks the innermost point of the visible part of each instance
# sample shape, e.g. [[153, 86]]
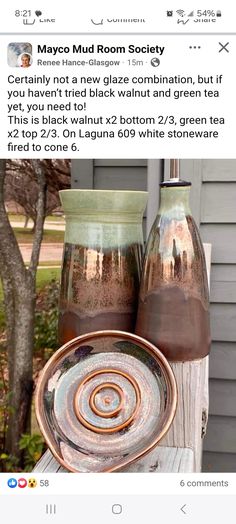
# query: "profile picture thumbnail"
[[19, 54]]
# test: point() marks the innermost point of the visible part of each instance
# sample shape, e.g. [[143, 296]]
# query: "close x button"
[[224, 47]]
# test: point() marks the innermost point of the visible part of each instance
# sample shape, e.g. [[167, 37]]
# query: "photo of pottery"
[[117, 316]]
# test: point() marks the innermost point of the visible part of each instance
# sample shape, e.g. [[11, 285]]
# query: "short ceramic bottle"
[[173, 310]]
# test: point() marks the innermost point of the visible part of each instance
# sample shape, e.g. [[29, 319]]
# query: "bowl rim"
[[103, 191]]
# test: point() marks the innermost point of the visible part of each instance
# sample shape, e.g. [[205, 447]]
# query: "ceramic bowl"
[[104, 400]]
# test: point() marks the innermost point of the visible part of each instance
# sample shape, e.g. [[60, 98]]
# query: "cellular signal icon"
[[180, 12], [191, 14]]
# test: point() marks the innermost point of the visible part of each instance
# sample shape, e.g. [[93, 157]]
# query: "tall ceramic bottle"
[[102, 261], [173, 310]]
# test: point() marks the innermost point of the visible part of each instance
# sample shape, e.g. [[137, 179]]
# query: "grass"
[[50, 263], [16, 218], [25, 236], [44, 276], [21, 218], [56, 218]]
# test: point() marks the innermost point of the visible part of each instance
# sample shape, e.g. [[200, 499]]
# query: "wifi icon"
[[180, 12]]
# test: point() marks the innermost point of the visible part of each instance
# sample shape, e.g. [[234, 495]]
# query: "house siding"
[[214, 196]]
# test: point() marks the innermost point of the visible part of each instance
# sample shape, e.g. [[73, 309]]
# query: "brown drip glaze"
[[99, 289]]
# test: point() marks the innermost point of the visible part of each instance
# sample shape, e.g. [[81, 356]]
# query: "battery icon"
[[218, 13]]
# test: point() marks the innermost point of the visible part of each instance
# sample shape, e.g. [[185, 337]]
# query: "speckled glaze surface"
[[105, 399], [101, 262], [173, 310]]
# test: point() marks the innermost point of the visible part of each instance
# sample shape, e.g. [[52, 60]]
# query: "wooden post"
[[186, 429], [160, 460], [189, 425]]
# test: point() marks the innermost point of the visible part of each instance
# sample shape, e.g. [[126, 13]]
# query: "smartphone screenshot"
[[117, 262]]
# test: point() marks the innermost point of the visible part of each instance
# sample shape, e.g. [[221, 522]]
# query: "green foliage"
[[4, 399], [46, 330], [33, 447], [45, 277], [46, 322], [8, 463], [46, 318]]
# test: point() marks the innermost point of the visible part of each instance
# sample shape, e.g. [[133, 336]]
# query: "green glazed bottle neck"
[[175, 199]]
